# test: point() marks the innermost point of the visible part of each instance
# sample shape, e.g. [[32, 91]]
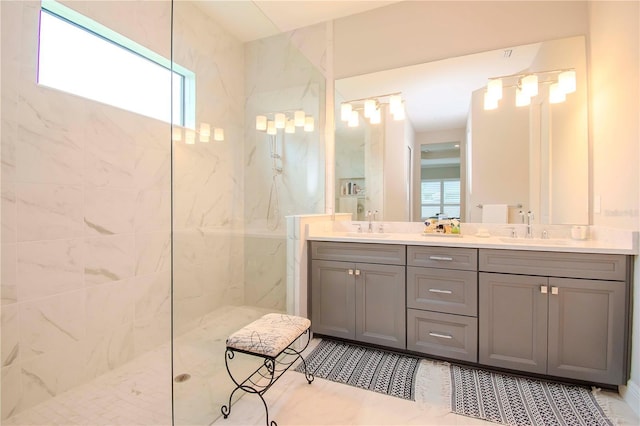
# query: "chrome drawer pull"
[[357, 272], [543, 289], [449, 259], [554, 290], [350, 271], [443, 336], [437, 290]]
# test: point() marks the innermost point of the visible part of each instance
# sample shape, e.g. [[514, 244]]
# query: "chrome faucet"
[[372, 216], [529, 226]]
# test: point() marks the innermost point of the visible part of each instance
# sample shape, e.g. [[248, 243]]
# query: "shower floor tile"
[[140, 392]]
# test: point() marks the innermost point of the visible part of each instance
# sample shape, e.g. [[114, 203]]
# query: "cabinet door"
[[333, 298], [513, 322], [380, 305], [587, 329]]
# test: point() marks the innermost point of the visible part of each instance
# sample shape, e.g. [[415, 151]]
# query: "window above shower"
[[80, 56]]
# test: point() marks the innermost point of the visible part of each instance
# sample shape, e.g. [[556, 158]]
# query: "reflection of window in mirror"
[[440, 179]]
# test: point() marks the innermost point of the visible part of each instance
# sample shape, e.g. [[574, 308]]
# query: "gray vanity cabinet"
[[442, 303], [564, 326], [355, 299]]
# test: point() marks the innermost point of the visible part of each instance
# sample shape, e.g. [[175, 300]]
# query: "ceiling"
[[253, 20]]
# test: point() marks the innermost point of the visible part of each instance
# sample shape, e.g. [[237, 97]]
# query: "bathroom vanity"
[[556, 310]]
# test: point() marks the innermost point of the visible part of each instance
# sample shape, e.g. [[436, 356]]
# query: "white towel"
[[348, 205], [495, 213]]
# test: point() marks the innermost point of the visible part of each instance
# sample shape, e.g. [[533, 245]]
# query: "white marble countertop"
[[600, 240]]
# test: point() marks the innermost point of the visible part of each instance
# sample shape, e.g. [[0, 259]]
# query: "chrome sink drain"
[[182, 378]]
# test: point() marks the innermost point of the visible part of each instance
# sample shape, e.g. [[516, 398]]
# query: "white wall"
[[614, 67]]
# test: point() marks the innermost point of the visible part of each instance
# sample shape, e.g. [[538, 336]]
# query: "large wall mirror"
[[466, 155]]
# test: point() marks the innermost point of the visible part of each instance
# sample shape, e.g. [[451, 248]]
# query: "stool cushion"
[[269, 335]]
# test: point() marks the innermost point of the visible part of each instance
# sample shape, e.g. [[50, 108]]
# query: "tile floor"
[[140, 393]]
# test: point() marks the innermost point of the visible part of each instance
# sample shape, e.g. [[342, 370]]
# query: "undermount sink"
[[536, 241], [367, 235]]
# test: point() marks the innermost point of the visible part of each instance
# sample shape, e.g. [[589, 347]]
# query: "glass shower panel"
[[85, 235], [284, 173], [230, 195]]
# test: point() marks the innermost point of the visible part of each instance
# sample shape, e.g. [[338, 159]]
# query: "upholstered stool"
[[272, 338]]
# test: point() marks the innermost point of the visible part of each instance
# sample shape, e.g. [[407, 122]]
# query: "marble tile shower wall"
[[280, 78]]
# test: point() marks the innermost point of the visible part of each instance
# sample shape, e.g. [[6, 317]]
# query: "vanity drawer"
[[443, 290], [389, 254], [445, 335], [555, 264], [443, 257]]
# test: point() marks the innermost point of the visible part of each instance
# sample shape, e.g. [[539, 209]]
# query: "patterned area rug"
[[512, 400], [373, 369]]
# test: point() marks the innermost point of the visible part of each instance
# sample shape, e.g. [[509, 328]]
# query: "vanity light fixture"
[[261, 122], [205, 132], [395, 103], [490, 102], [354, 119], [521, 98], [345, 111], [290, 127], [371, 108], [298, 118], [556, 94], [271, 127], [529, 85], [376, 116], [560, 81], [191, 136], [494, 89], [280, 120], [567, 81], [285, 120], [399, 113], [309, 124]]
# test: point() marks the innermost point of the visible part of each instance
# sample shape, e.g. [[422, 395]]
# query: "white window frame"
[[188, 91], [442, 204]]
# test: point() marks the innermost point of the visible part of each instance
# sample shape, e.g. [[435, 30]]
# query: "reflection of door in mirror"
[[440, 175]]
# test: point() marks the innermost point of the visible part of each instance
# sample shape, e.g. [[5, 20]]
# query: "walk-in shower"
[[129, 254]]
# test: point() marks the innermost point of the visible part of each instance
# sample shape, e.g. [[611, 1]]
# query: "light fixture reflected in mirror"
[[261, 122], [521, 98], [399, 114], [202, 134], [561, 82], [371, 108], [567, 81], [298, 118], [286, 120], [490, 102], [376, 116], [556, 94], [529, 85], [354, 119]]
